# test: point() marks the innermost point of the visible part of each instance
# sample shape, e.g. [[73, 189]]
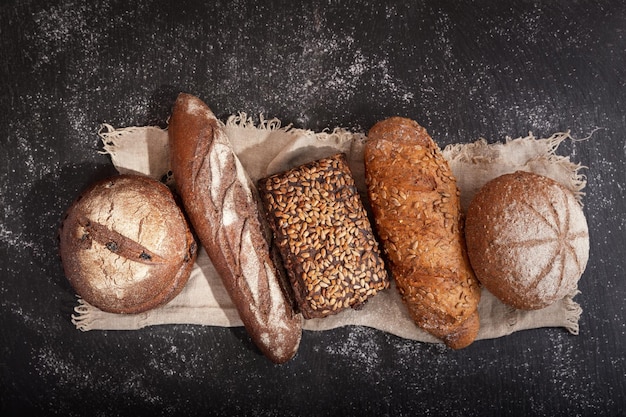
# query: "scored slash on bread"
[[116, 242], [222, 205]]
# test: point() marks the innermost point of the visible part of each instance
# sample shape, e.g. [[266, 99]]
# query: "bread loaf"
[[126, 246], [416, 207], [324, 236], [527, 239], [222, 206]]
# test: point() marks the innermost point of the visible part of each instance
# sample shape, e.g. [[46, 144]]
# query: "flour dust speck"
[[359, 349]]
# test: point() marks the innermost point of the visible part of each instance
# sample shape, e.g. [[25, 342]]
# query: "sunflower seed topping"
[[324, 236]]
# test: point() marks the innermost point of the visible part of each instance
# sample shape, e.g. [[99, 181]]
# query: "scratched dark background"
[[463, 69]]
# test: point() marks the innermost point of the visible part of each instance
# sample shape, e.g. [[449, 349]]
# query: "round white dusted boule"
[[527, 239], [126, 246]]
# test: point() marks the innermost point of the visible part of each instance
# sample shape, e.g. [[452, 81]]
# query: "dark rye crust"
[[324, 236]]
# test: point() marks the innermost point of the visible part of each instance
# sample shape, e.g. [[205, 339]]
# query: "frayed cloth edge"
[[337, 135], [491, 153], [573, 312]]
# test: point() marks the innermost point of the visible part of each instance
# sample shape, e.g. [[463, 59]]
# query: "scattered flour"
[[322, 74], [68, 375], [359, 350]]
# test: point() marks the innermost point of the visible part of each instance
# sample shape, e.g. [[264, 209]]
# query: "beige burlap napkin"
[[264, 148]]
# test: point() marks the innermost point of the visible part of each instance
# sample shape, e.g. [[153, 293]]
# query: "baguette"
[[221, 203], [416, 208]]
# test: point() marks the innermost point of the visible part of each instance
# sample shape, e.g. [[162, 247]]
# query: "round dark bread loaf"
[[126, 246], [527, 239]]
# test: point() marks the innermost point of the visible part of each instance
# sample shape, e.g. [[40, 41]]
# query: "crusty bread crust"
[[527, 239], [222, 206], [125, 245], [416, 207]]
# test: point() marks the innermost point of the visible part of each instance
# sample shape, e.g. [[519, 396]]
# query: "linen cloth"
[[264, 147]]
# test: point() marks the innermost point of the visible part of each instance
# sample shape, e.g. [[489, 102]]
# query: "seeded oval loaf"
[[222, 205], [324, 236], [527, 239], [416, 208], [126, 246]]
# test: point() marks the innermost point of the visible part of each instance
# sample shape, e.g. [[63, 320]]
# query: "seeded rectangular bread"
[[223, 208], [324, 236], [416, 207]]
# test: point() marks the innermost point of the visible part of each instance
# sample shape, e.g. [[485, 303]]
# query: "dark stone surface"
[[464, 70]]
